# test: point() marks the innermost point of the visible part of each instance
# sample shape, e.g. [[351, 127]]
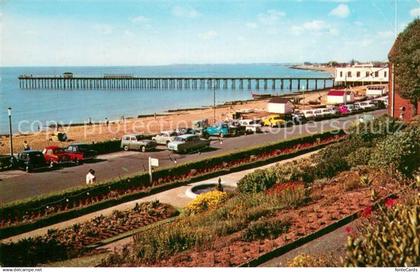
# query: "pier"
[[69, 81]]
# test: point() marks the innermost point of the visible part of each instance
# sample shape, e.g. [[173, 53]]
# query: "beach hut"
[[339, 97], [373, 91], [280, 105]]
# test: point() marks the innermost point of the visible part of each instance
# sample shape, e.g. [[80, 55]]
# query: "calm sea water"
[[75, 106]]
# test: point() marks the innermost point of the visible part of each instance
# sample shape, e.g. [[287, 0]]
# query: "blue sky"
[[129, 32]]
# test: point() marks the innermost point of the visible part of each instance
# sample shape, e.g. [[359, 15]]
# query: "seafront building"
[[361, 74]]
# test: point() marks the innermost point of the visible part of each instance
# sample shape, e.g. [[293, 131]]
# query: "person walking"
[[90, 177], [219, 185], [26, 146]]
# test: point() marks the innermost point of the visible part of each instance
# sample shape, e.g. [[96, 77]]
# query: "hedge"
[[160, 183]]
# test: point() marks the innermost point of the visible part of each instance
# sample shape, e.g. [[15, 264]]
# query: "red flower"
[[366, 212], [348, 230], [390, 202]]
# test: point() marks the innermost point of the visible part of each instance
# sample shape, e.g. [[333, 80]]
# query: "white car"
[[165, 137], [366, 105], [309, 114], [188, 142], [250, 125]]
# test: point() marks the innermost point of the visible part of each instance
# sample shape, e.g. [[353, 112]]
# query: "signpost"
[[152, 163]]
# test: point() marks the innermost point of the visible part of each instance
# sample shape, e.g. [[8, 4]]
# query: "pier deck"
[[175, 82]]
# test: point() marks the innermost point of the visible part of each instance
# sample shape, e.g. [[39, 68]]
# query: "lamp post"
[[9, 111], [214, 102]]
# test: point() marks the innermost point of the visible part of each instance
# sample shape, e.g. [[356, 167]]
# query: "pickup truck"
[[55, 155], [137, 142], [80, 153], [188, 142]]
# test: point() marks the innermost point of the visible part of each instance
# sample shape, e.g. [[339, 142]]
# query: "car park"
[[80, 152], [165, 137], [273, 120], [187, 143], [55, 155], [31, 160], [137, 142]]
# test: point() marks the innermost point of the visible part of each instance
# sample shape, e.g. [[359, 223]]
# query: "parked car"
[[165, 137], [353, 108], [309, 114], [343, 110], [273, 120], [366, 105], [55, 155], [137, 142], [188, 142], [31, 160], [219, 129], [81, 152], [251, 126], [182, 131]]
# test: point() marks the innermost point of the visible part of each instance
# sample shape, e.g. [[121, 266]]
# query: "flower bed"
[[327, 203], [72, 241], [30, 211]]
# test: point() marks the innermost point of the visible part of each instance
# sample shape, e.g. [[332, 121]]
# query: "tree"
[[405, 55]]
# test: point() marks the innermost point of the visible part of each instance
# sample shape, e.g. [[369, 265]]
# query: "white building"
[[361, 74], [374, 91], [280, 105], [339, 97]]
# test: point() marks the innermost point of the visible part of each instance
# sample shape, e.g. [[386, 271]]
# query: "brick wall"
[[399, 102]]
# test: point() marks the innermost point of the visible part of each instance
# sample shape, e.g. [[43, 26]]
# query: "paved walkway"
[[176, 197], [332, 245]]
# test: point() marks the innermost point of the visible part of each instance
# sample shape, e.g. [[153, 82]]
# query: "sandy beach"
[[99, 132]]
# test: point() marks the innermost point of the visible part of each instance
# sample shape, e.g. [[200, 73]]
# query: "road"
[[16, 184]]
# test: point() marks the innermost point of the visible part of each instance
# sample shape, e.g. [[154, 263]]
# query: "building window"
[[341, 73], [385, 74], [367, 74], [376, 74], [349, 74], [358, 74]]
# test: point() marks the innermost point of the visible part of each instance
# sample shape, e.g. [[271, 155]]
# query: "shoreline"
[[318, 68]]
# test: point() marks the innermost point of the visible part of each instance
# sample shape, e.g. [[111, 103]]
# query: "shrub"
[[401, 151], [358, 157], [305, 260], [391, 239], [264, 228], [206, 201], [257, 181]]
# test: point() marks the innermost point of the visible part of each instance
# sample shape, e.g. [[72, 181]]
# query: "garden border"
[[281, 250]]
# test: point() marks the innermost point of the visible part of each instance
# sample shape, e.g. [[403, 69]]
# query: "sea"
[[32, 109]]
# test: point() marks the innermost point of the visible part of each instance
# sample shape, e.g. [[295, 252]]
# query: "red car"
[[55, 155]]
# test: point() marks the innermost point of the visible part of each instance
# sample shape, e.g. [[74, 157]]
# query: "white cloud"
[[208, 35], [185, 12], [103, 28], [386, 34], [139, 19], [342, 11], [251, 25], [314, 26], [415, 12], [270, 17]]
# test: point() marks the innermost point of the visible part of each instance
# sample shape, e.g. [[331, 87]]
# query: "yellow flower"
[[206, 201]]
